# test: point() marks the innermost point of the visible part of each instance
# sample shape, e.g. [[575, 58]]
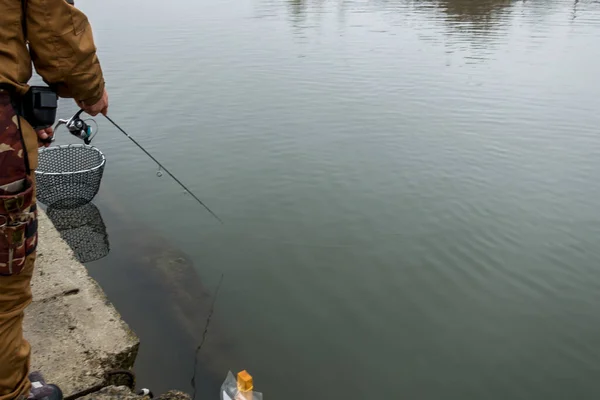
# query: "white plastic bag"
[[231, 390]]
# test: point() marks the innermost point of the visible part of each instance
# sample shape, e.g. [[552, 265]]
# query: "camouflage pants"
[[18, 236]]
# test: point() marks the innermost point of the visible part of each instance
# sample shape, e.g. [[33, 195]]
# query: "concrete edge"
[[76, 334]]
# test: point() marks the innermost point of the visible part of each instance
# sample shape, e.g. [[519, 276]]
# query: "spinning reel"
[[77, 127]]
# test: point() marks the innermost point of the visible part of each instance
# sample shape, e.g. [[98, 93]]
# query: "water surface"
[[409, 190]]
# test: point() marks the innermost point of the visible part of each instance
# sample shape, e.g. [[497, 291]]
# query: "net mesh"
[[69, 176], [83, 229]]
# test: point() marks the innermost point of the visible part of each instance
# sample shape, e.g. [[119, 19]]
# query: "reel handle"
[[53, 138]]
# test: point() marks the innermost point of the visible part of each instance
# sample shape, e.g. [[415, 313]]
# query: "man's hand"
[[45, 134], [100, 107]]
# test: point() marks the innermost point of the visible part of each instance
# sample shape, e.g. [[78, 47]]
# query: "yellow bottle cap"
[[244, 381]]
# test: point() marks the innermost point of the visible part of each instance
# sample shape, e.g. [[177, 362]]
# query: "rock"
[[124, 393], [114, 393], [175, 395]]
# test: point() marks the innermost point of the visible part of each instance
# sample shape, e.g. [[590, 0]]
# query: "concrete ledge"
[[75, 333]]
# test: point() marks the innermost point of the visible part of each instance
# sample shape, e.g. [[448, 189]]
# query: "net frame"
[[69, 176]]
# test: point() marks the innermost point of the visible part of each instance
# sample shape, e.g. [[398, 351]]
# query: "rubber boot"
[[40, 390]]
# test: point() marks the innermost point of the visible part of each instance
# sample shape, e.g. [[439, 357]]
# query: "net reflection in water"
[[83, 229]]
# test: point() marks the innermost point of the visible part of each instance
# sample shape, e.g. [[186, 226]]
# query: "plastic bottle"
[[240, 389]]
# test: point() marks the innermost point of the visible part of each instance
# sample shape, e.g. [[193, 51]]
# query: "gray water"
[[409, 189]]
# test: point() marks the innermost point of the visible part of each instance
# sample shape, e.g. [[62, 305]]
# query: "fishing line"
[[162, 168], [208, 318]]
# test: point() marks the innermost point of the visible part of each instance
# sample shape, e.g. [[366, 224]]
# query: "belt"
[[8, 90], [6, 87], [6, 97]]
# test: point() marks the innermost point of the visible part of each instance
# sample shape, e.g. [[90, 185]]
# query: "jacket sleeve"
[[62, 49]]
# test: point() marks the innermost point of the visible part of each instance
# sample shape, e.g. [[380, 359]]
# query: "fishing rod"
[[80, 129]]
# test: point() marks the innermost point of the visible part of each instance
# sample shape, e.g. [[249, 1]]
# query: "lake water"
[[409, 192]]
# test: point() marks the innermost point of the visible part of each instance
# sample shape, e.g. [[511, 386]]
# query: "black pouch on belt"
[[38, 106]]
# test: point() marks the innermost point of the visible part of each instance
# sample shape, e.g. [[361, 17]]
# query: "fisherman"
[[57, 38]]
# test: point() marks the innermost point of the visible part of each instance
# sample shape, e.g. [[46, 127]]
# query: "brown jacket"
[[61, 47]]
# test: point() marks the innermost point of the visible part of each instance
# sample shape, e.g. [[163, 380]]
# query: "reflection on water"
[[83, 229], [477, 18], [482, 13], [477, 25], [464, 10], [487, 18], [473, 10], [472, 29]]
